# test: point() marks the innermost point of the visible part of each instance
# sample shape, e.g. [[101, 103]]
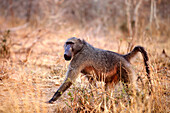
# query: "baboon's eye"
[[69, 43]]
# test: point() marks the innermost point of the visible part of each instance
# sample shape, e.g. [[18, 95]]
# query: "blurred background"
[[96, 17]]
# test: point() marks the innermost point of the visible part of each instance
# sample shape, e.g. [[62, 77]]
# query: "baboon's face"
[[72, 46], [68, 50]]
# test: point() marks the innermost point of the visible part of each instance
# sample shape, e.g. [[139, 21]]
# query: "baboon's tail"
[[145, 57]]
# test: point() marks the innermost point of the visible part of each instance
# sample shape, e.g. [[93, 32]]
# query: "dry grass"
[[35, 68]]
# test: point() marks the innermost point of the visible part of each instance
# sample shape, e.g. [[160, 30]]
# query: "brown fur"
[[98, 64]]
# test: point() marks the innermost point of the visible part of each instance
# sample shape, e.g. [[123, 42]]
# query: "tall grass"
[[30, 84]]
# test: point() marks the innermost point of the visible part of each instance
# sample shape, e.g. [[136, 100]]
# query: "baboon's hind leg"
[[128, 79]]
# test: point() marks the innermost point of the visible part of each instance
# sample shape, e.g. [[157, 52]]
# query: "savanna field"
[[32, 66]]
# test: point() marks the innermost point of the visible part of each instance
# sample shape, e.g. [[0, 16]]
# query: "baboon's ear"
[[78, 46], [81, 41]]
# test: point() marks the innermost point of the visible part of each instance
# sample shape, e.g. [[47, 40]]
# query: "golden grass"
[[36, 68]]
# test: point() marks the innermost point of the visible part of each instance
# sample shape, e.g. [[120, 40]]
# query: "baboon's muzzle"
[[68, 53], [66, 57]]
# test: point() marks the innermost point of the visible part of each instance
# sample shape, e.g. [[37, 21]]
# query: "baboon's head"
[[72, 46]]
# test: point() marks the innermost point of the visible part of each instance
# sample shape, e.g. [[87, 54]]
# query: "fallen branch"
[[17, 28]]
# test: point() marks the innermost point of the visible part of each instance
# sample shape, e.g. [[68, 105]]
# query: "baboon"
[[106, 66]]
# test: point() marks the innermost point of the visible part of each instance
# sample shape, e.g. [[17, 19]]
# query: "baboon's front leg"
[[66, 84], [70, 78]]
